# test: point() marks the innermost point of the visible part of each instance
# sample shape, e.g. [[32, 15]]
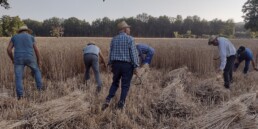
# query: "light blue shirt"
[[91, 49], [226, 49]]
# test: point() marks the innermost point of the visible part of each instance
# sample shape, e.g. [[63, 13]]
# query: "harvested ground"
[[164, 99]]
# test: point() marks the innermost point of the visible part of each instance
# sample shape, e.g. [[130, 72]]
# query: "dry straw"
[[52, 114], [228, 115]]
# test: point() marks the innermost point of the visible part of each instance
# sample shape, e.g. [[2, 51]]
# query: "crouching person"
[[145, 52], [246, 54], [91, 59], [227, 57]]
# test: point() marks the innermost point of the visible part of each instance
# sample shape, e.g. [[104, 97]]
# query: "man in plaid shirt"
[[123, 58]]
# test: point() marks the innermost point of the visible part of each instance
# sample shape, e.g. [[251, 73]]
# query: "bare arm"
[[253, 63], [9, 51], [102, 59], [37, 54]]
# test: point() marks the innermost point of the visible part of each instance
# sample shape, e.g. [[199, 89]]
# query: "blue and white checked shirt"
[[122, 48]]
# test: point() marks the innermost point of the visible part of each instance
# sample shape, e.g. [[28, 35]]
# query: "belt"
[[91, 54], [118, 61]]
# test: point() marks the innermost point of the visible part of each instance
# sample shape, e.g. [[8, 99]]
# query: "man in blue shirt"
[[123, 58], [24, 47], [246, 54], [145, 52]]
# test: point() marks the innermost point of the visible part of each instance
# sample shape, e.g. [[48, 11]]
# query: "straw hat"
[[122, 25], [212, 39], [24, 28]]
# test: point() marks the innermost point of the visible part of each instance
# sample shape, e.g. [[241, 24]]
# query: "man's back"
[[92, 49], [23, 44], [144, 48], [119, 48]]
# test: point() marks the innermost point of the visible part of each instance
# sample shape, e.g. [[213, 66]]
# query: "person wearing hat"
[[246, 54], [227, 53], [91, 59], [24, 45], [123, 58]]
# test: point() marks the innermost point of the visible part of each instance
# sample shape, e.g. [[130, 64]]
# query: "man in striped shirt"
[[227, 57], [123, 58]]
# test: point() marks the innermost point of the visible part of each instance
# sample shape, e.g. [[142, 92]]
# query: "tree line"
[[143, 25]]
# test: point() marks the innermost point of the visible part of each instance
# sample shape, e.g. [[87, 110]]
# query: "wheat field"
[[181, 89]]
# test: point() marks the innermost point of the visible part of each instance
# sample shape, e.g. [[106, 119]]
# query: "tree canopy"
[[250, 10], [5, 4]]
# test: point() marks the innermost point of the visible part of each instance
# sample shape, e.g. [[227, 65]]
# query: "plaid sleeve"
[[109, 59], [134, 55]]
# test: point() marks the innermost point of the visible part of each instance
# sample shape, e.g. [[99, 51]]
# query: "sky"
[[90, 10]]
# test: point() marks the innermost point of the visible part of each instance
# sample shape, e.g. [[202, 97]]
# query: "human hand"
[[136, 72], [219, 71], [39, 63], [109, 68]]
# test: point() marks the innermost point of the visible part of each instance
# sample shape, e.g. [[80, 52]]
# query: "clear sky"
[[93, 9]]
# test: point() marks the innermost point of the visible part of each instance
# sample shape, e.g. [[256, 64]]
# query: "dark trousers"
[[123, 71], [228, 70]]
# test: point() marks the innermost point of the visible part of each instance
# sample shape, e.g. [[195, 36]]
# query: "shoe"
[[20, 97], [120, 105], [226, 86], [98, 89], [105, 106]]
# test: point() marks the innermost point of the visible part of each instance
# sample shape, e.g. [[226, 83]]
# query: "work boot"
[[226, 86], [120, 105], [105, 106], [20, 97], [98, 89]]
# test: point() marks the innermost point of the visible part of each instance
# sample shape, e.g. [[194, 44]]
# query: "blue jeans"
[[120, 70], [19, 64], [247, 63], [148, 57], [91, 60]]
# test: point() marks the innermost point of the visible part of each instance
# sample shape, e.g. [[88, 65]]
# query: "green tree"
[[250, 9], [5, 4], [73, 27], [35, 26], [51, 23], [10, 25]]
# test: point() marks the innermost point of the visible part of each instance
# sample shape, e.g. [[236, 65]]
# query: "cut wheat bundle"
[[231, 115]]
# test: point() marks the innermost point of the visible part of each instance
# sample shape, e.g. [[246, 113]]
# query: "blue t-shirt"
[[247, 55], [23, 44]]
